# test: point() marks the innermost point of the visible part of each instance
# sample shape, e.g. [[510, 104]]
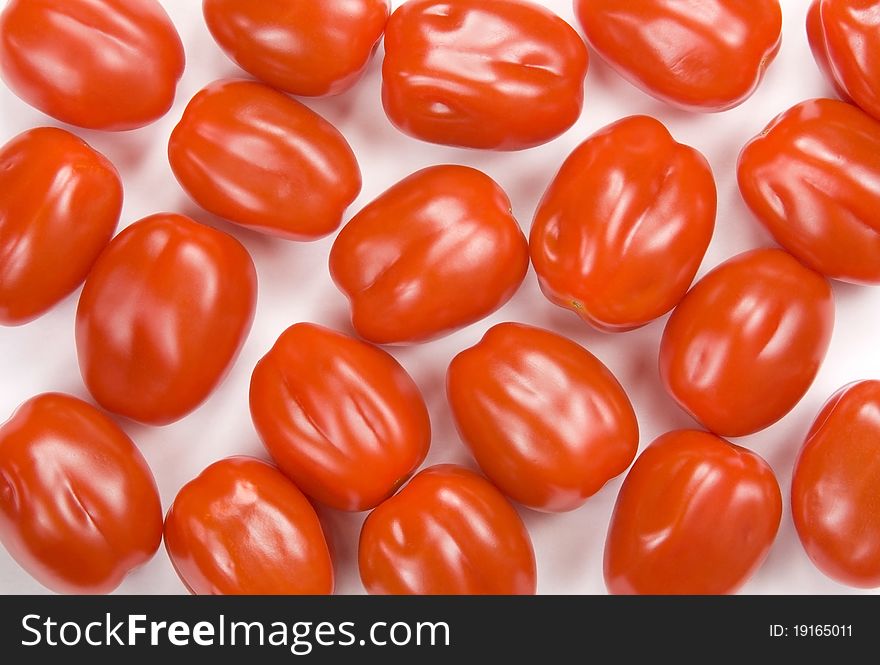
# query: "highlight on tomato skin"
[[340, 417], [546, 421], [60, 202], [308, 48], [449, 531], [111, 42], [623, 227], [812, 178], [242, 528], [745, 344], [162, 317], [79, 508], [695, 515], [461, 73], [408, 261], [252, 155], [835, 484], [706, 56]]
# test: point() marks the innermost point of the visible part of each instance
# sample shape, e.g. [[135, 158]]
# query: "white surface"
[[295, 286]]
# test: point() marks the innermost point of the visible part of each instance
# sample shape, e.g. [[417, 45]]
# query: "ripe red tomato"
[[745, 344], [410, 260], [59, 206], [255, 156], [622, 230], [797, 176], [241, 527], [449, 531], [834, 491], [696, 515], [546, 420], [304, 47], [845, 38], [79, 508], [340, 417], [101, 64], [702, 56], [494, 74], [162, 317]]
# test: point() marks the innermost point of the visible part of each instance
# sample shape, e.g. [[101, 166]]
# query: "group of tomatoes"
[[618, 239]]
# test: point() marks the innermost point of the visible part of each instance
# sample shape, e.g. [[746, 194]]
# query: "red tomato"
[[695, 515], [820, 53], [745, 344], [101, 64], [622, 230], [79, 508], [702, 56], [546, 420], [449, 531], [301, 46], [845, 38], [836, 484], [255, 156], [340, 417], [162, 317], [496, 74], [59, 206], [436, 252], [812, 177], [241, 527]]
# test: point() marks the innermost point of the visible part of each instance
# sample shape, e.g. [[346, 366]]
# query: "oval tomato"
[[845, 38], [255, 156], [79, 508], [462, 73], [449, 531], [59, 206], [162, 317], [546, 420], [622, 230], [835, 485], [241, 527], [101, 64], [745, 344], [703, 56], [340, 417], [306, 48], [410, 260], [695, 515], [812, 177]]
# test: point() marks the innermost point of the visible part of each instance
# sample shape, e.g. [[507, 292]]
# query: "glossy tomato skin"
[[59, 205], [701, 56], [447, 532], [303, 47], [162, 317], [340, 417], [845, 38], [410, 260], [100, 64], [696, 515], [812, 178], [835, 484], [79, 508], [745, 344], [548, 423], [624, 226], [255, 156], [242, 528], [816, 38], [461, 73]]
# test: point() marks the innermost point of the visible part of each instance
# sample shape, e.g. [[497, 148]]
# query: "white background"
[[295, 286]]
